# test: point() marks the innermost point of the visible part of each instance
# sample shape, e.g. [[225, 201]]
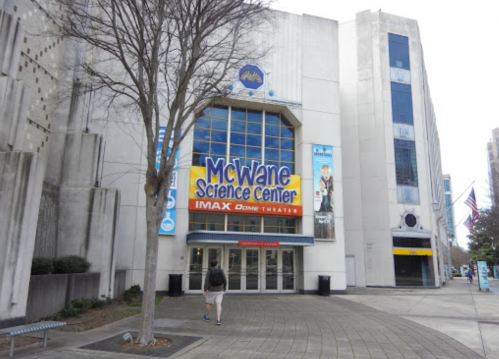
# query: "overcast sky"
[[461, 51]]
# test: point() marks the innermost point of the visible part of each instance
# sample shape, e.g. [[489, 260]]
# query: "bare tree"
[[459, 256], [164, 59]]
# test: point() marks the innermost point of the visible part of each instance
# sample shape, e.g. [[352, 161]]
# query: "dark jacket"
[[218, 288]]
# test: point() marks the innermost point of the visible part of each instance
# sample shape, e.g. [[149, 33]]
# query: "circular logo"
[[251, 77], [171, 202], [167, 225]]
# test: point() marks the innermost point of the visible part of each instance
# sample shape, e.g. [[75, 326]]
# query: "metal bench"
[[29, 328]]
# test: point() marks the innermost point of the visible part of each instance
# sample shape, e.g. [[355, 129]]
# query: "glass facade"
[[246, 134], [402, 115], [449, 209], [241, 223]]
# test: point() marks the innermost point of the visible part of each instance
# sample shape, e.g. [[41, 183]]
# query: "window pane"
[[271, 130], [234, 219], [272, 155], [216, 158], [287, 156], [215, 227], [198, 159], [203, 122], [271, 163], [272, 118], [271, 229], [287, 132], [197, 217], [254, 152], [238, 126], [271, 142], [237, 151], [206, 112], [215, 218], [219, 124], [287, 230], [254, 116], [197, 227], [287, 144], [249, 162], [219, 136], [201, 147], [253, 220], [218, 149], [237, 138], [254, 140], [290, 166], [254, 229], [254, 128], [285, 122], [220, 111], [235, 228], [287, 222], [238, 114], [271, 221], [200, 134]]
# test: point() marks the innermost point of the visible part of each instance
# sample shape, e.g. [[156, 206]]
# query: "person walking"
[[215, 285]]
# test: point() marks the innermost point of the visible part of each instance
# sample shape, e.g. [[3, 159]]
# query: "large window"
[[399, 51], [241, 223], [401, 103], [405, 163], [246, 134]]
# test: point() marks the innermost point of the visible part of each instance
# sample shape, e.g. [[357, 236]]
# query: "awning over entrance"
[[235, 238]]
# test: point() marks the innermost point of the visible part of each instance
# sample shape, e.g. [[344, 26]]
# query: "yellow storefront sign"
[[412, 252]]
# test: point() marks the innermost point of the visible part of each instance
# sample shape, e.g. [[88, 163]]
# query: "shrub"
[[71, 264], [41, 266], [132, 294], [79, 306]]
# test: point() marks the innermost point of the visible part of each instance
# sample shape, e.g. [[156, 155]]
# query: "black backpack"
[[216, 276]]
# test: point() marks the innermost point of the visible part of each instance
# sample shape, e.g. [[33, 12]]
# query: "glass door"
[[234, 269], [196, 269], [288, 270], [252, 269], [271, 269]]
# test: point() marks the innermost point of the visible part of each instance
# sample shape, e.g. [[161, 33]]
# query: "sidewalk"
[[369, 323], [458, 310]]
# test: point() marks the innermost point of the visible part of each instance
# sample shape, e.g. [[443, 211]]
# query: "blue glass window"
[[246, 137], [405, 163], [402, 103], [399, 51]]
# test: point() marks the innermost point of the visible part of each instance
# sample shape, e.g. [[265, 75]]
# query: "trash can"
[[324, 285], [175, 286]]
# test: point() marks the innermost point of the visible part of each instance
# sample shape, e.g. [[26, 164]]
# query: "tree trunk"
[[146, 325]]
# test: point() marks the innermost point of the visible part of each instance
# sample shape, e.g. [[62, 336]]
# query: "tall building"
[[451, 231], [493, 160], [394, 205], [274, 182]]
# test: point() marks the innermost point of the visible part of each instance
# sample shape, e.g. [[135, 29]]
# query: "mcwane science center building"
[[264, 185], [261, 191]]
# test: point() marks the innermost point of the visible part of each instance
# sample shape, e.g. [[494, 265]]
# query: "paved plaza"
[[455, 322]]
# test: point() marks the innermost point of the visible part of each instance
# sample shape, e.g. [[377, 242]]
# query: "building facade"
[[274, 181], [394, 208], [451, 223], [493, 161]]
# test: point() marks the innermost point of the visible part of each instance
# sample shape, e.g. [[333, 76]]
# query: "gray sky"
[[461, 54]]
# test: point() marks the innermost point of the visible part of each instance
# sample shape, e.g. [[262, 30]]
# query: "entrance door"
[[279, 272], [199, 262]]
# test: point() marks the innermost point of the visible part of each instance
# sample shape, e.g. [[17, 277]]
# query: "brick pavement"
[[275, 326]]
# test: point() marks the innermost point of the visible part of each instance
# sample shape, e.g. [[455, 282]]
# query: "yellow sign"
[[232, 187], [412, 252]]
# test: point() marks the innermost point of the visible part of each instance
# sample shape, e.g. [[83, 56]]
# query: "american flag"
[[469, 224], [471, 201]]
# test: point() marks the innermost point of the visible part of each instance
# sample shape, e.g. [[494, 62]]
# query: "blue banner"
[[496, 273], [168, 224], [322, 162], [483, 276]]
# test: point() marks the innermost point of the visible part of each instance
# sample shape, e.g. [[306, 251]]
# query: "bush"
[[41, 266], [79, 306], [132, 294], [71, 264]]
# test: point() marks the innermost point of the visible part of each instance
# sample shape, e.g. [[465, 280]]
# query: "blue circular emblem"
[[251, 77]]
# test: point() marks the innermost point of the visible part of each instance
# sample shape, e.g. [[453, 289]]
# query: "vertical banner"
[[496, 273], [322, 160], [168, 224], [483, 276]]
